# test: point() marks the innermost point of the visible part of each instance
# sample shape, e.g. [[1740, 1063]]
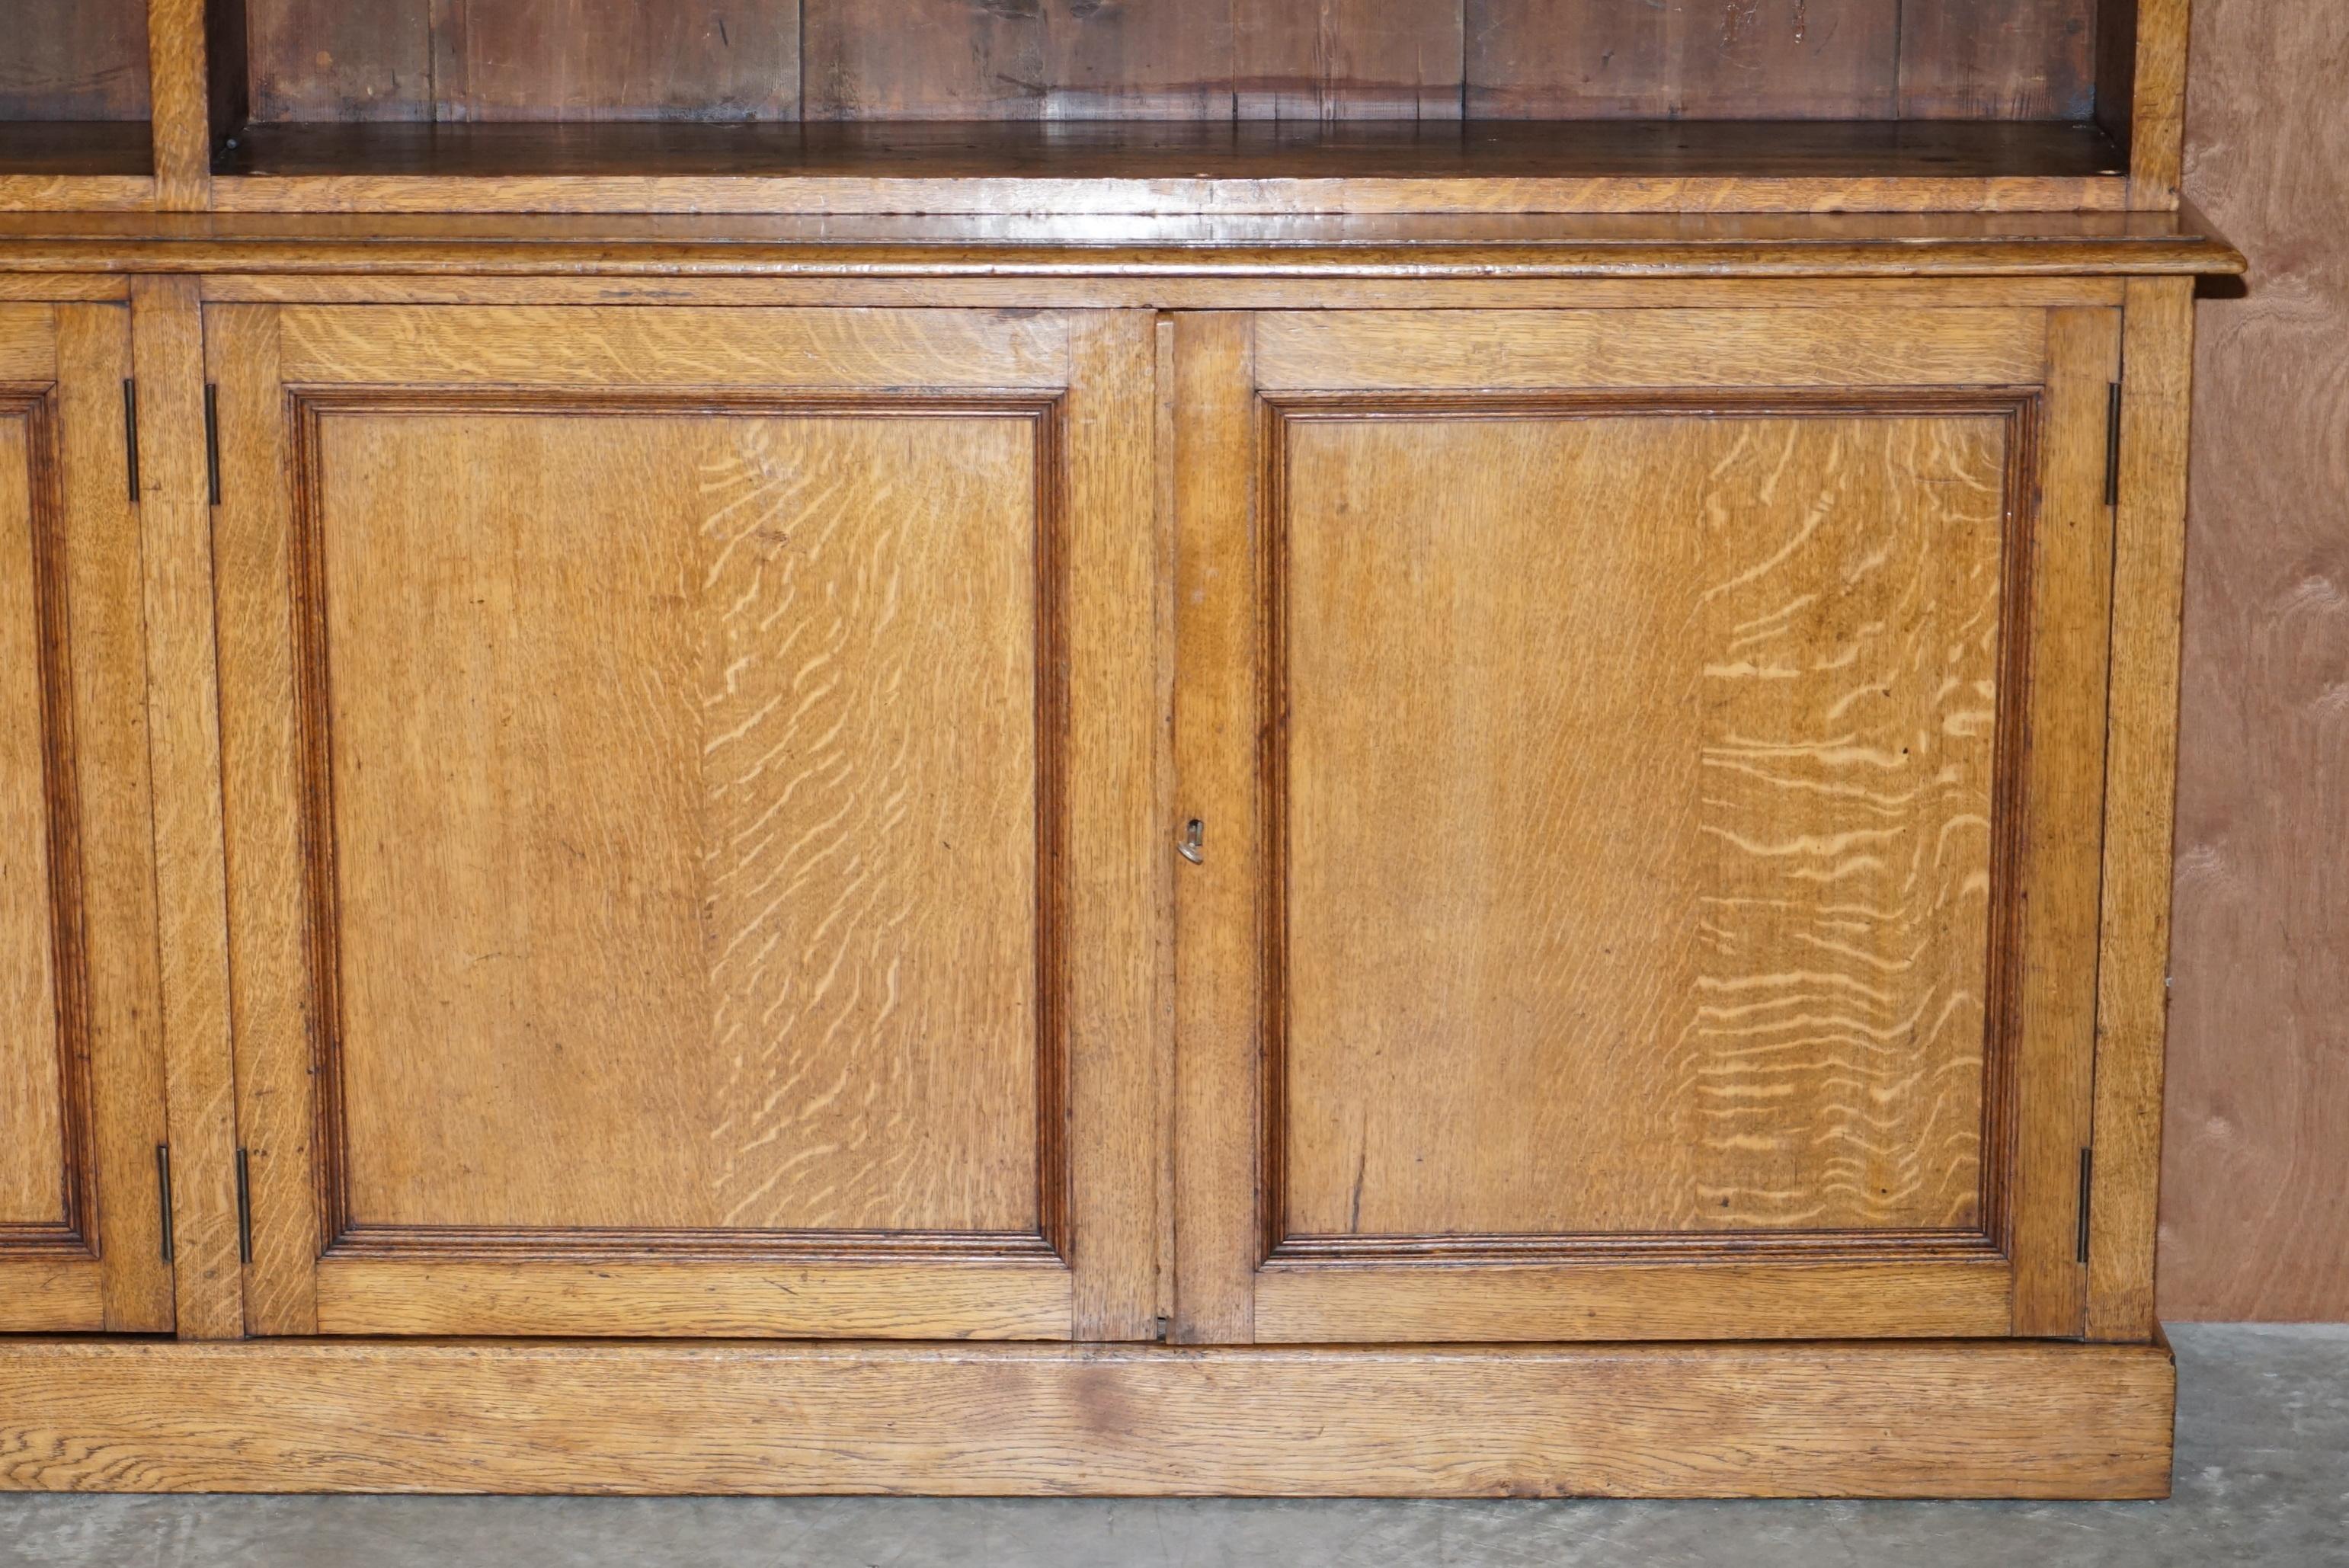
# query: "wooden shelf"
[[48, 165], [1248, 169]]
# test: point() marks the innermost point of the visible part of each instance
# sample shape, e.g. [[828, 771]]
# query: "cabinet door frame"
[[1240, 380], [102, 1264], [1082, 380]]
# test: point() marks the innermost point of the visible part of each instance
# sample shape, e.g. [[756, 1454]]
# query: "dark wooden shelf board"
[[63, 165], [1167, 167]]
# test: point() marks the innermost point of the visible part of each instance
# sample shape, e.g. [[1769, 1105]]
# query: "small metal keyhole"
[[1194, 845]]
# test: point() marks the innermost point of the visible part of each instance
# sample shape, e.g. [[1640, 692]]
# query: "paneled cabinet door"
[[82, 1233], [691, 821], [1647, 768]]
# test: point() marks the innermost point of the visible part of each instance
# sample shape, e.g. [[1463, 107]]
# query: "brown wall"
[[2255, 1212]]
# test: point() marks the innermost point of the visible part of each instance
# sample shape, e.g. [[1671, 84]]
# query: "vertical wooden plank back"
[[182, 717], [75, 59], [1740, 59], [1997, 59]]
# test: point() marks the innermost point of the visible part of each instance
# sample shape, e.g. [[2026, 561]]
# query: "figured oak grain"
[[1688, 929], [39, 1167], [685, 783], [1714, 1420]]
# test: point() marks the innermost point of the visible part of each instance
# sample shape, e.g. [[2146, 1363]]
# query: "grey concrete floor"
[[2262, 1478]]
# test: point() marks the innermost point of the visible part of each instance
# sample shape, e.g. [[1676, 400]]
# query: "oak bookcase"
[[1088, 745]]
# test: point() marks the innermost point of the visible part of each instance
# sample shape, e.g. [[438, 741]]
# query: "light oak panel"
[[81, 1100], [1308, 352], [1688, 929], [183, 710], [41, 1164], [1833, 1419], [1712, 1300], [675, 785], [463, 346], [698, 1300], [709, 902], [113, 820]]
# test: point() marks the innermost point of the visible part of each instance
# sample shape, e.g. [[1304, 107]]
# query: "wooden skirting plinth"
[[1920, 1420]]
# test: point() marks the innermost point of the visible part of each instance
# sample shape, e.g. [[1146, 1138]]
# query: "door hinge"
[[2087, 1181], [163, 1192], [243, 1211], [212, 441], [130, 436], [2112, 447]]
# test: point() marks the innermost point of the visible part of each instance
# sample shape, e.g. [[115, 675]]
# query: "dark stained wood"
[[1169, 167], [2256, 1187], [1998, 59], [66, 148], [523, 59], [74, 59], [1348, 60], [1717, 60]]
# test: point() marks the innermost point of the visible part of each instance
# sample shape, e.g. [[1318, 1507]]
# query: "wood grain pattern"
[[1118, 775], [2013, 1420], [1744, 59], [80, 1082], [2140, 796], [2255, 1195], [921, 1300], [1728, 348], [75, 59], [112, 810], [183, 117], [943, 349], [817, 718], [1998, 59], [2062, 825], [1373, 1304], [1219, 735], [44, 1164], [534, 60], [1689, 931], [275, 1014], [184, 741], [760, 944], [1178, 166]]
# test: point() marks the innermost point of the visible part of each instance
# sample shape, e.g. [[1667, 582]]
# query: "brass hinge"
[[243, 1211], [2087, 1181], [2112, 447], [130, 436], [163, 1192], [212, 441]]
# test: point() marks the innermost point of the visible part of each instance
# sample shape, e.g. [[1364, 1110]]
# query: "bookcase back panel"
[[1181, 59], [74, 59]]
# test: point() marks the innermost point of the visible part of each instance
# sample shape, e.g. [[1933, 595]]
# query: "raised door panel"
[[1634, 870], [681, 908], [82, 1240]]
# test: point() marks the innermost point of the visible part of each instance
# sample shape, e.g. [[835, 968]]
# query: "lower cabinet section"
[[1469, 901], [1786, 1420]]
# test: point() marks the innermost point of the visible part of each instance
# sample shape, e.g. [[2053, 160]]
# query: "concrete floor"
[[2262, 1478]]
